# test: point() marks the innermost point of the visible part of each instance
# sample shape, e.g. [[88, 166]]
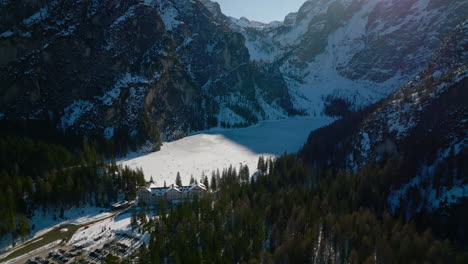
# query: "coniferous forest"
[[287, 215], [38, 177], [114, 113]]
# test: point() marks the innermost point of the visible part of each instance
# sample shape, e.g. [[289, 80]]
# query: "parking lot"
[[120, 246]]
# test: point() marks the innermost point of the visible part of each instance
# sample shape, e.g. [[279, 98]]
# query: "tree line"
[[38, 177], [287, 214]]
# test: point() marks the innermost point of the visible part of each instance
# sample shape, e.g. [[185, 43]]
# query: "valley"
[[195, 155], [338, 135]]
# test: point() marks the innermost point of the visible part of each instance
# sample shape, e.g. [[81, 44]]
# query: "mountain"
[[356, 51], [138, 72], [131, 69], [419, 133], [386, 182]]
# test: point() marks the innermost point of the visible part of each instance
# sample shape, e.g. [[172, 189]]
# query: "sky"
[[260, 10]]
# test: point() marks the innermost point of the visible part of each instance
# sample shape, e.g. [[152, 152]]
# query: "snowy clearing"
[[45, 222], [219, 148]]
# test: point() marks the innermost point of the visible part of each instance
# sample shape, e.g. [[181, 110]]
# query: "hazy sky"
[[260, 10]]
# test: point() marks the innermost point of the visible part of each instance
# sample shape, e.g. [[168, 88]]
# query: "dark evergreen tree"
[[178, 180]]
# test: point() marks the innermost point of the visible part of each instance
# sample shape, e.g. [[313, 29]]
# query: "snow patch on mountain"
[[37, 17], [109, 132], [423, 183], [244, 22], [6, 34], [320, 78], [169, 15], [322, 81], [261, 49], [134, 102], [448, 196], [272, 111], [363, 29], [227, 116], [74, 111], [93, 8], [151, 3], [129, 14], [365, 143], [125, 81], [400, 118]]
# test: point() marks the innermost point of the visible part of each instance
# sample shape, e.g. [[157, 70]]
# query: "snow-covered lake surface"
[[214, 149]]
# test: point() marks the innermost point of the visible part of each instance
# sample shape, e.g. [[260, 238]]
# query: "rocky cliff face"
[[432, 102], [424, 124], [427, 120], [135, 68], [130, 68], [355, 50]]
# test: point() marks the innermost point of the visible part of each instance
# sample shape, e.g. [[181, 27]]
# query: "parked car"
[[78, 246], [94, 255]]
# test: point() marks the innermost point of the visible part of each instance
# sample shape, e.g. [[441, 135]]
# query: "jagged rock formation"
[[424, 124], [359, 51], [130, 68]]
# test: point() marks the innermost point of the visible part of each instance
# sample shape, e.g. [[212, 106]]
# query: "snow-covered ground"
[[97, 229], [194, 155], [219, 148], [45, 222], [104, 230]]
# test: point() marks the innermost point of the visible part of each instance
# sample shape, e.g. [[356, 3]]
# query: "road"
[[52, 240]]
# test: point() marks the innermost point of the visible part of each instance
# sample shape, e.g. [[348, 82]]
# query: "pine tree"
[[23, 228], [134, 219], [213, 182], [206, 182], [178, 180], [261, 163]]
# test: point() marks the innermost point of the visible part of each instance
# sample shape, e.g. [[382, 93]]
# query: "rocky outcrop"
[[107, 68], [422, 126], [356, 50], [126, 68]]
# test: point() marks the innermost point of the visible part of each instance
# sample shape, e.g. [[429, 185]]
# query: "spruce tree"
[[178, 180], [205, 182], [213, 182]]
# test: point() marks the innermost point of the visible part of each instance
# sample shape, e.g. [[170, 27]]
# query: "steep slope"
[[129, 69], [356, 50], [421, 130]]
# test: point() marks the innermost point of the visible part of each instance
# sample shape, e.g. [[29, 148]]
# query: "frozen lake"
[[219, 148]]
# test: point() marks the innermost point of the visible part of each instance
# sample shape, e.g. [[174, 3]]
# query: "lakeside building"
[[151, 194]]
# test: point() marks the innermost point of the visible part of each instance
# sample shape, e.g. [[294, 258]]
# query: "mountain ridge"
[[144, 71], [420, 132], [357, 51], [137, 69]]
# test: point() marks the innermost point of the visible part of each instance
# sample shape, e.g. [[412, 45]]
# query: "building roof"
[[154, 190]]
